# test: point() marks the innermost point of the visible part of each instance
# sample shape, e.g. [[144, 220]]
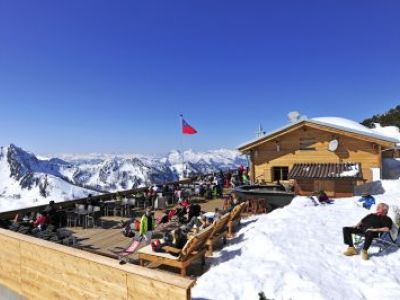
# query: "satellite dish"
[[333, 145]]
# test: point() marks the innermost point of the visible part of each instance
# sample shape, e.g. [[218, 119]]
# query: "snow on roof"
[[352, 126], [392, 131], [388, 133]]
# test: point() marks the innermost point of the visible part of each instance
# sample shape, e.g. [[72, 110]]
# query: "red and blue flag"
[[186, 128]]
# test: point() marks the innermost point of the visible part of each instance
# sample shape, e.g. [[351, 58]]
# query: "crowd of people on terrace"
[[173, 226]]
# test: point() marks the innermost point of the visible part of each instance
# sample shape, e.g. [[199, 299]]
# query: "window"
[[307, 144], [280, 173]]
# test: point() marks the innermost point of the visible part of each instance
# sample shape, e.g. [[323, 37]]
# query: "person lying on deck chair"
[[370, 226], [175, 239]]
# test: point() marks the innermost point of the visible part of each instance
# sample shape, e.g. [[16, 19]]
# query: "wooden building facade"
[[274, 155]]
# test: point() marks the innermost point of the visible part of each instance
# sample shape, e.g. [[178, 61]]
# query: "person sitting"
[[323, 198], [163, 219], [193, 211], [40, 223], [27, 219], [370, 226], [51, 211], [177, 213], [366, 201]]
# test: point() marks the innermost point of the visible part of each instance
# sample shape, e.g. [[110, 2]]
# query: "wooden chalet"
[[330, 154]]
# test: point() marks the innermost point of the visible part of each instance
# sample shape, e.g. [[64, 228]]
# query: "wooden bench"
[[218, 232], [195, 248]]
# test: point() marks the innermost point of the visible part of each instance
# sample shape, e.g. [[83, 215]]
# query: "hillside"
[[296, 253], [389, 118]]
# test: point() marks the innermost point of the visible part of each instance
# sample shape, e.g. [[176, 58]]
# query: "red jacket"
[[40, 221]]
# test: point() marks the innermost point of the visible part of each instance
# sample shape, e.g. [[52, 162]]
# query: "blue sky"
[[113, 76]]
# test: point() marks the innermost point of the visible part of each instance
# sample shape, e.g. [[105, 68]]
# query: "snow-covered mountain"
[[26, 180]]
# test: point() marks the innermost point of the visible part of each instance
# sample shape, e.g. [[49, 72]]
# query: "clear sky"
[[113, 76]]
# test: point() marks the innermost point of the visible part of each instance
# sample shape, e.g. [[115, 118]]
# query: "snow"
[[296, 253], [350, 173], [392, 131], [386, 133]]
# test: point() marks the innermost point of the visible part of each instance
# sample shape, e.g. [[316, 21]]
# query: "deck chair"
[[235, 217], [218, 232], [131, 249], [194, 248], [384, 241], [388, 239]]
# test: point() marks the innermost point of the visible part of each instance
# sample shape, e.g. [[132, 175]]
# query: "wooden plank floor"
[[109, 240]]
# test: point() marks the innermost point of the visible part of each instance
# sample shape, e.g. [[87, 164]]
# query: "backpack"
[[128, 231], [130, 228]]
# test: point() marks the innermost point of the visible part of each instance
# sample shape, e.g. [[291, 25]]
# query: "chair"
[[384, 240], [92, 218], [108, 207], [132, 202], [118, 209], [219, 232], [388, 239], [194, 248], [235, 216], [90, 208], [72, 218]]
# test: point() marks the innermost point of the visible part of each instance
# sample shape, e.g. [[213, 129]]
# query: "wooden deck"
[[109, 240]]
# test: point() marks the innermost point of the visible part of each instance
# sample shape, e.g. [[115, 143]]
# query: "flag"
[[186, 128]]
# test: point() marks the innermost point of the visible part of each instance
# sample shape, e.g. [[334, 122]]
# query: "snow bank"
[[296, 253]]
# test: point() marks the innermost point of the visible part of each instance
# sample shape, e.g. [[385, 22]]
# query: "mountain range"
[[28, 180]]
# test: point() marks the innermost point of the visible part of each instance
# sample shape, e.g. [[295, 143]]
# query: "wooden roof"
[[326, 171]]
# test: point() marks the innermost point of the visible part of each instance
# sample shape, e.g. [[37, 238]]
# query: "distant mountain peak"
[[72, 176]]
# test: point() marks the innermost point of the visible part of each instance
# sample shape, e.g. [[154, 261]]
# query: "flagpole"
[[183, 153]]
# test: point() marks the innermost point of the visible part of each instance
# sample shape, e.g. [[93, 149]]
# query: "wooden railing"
[[38, 269]]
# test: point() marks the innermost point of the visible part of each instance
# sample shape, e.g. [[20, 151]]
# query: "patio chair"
[[384, 240], [93, 218], [72, 219]]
